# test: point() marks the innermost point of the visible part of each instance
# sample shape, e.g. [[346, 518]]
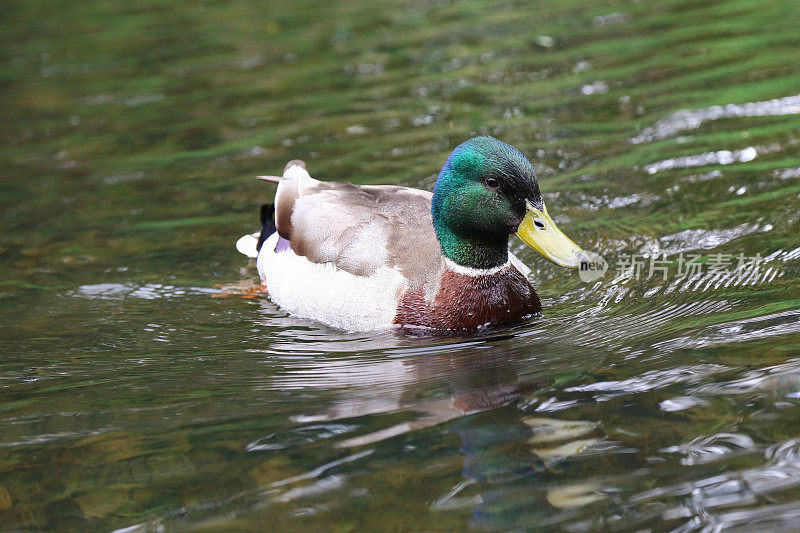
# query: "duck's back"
[[358, 229]]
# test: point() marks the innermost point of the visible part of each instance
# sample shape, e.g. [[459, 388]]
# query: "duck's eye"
[[492, 183]]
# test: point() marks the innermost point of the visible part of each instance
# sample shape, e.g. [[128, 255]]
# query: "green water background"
[[130, 397]]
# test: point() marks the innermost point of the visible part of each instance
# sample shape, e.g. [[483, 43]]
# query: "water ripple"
[[689, 119], [762, 327], [719, 157], [654, 379], [707, 449], [144, 291], [778, 380], [701, 499]]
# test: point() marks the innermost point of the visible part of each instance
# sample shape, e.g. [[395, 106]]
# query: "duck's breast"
[[469, 299]]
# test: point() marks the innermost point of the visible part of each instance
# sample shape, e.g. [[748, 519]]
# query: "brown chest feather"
[[468, 302]]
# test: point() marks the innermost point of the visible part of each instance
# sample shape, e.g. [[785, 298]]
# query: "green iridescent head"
[[486, 191]]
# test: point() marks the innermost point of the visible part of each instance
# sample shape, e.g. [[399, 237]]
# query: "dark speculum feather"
[[282, 245], [267, 224]]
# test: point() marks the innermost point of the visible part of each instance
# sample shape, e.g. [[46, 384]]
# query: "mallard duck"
[[364, 257]]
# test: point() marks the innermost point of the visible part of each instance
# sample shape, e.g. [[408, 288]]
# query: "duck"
[[370, 257]]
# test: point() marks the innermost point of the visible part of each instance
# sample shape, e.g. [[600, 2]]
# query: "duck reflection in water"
[[511, 458]]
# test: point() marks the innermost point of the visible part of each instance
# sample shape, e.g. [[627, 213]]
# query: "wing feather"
[[360, 229]]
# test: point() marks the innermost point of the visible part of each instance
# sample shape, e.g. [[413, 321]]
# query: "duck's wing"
[[359, 229]]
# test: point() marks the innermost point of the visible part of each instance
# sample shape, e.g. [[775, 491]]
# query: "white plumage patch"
[[519, 265], [474, 272], [323, 292], [304, 179], [247, 245]]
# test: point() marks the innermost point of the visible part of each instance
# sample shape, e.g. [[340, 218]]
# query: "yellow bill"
[[538, 231]]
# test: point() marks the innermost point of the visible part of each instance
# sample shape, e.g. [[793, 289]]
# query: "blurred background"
[[133, 396]]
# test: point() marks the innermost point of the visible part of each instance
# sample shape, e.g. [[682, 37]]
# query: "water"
[[139, 390]]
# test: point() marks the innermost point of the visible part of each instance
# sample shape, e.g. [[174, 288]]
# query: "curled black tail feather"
[[267, 224]]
